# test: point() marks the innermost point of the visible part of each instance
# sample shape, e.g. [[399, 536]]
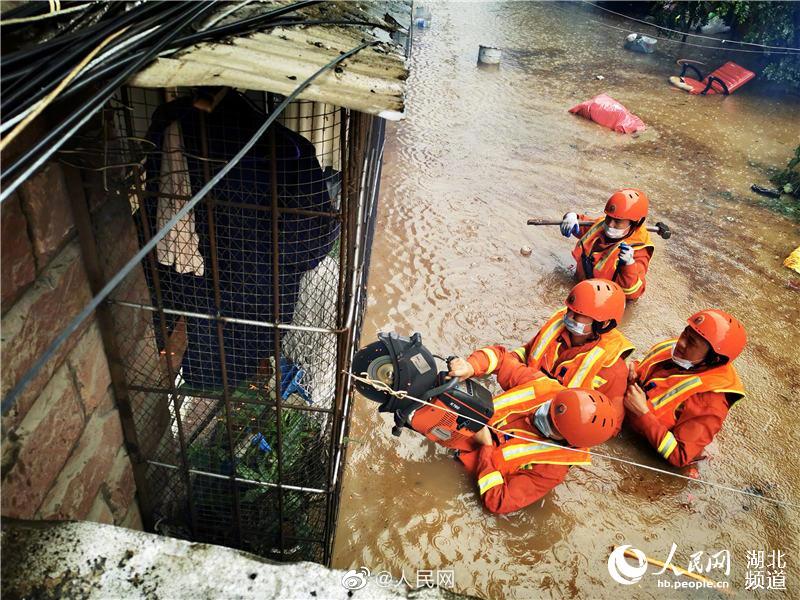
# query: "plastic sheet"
[[606, 111]]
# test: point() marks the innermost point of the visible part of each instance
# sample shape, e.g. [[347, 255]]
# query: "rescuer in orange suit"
[[513, 473], [616, 247], [578, 346], [681, 391]]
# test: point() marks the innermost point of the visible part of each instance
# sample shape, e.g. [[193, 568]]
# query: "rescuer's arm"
[[631, 277], [700, 420], [616, 382], [505, 364], [582, 229], [519, 489]]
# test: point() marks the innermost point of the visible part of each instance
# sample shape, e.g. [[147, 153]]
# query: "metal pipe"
[[276, 313], [186, 313], [151, 258], [285, 486], [212, 396], [212, 238]]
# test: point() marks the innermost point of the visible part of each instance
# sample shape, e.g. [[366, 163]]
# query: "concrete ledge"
[[46, 559]]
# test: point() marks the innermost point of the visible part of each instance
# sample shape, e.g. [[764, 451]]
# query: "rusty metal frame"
[[360, 145]]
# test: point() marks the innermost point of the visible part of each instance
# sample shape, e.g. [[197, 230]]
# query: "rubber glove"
[[626, 254], [569, 224]]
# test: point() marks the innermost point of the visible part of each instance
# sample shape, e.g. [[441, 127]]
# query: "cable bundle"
[[115, 41]]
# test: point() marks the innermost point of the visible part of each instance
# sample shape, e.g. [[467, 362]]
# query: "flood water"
[[480, 151]]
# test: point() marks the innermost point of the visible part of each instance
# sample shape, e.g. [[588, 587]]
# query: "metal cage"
[[234, 337]]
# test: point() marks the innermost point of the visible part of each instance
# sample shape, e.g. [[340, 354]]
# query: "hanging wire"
[[672, 41], [44, 102], [47, 15], [697, 35], [12, 396], [56, 138], [383, 387]]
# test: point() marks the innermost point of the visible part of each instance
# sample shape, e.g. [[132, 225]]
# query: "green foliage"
[[769, 23], [301, 451], [788, 180]]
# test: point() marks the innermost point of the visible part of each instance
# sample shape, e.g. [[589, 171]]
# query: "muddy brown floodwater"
[[480, 151]]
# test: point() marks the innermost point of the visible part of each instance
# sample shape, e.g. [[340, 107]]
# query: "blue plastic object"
[[262, 443], [291, 376]]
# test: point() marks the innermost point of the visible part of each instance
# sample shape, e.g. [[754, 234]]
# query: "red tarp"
[[606, 111]]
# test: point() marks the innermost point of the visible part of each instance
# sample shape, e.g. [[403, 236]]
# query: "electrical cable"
[[56, 137], [186, 40], [45, 77], [672, 41], [42, 104], [47, 15], [382, 387], [697, 35], [11, 397]]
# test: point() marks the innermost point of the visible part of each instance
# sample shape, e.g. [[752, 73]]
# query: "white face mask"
[[577, 328], [615, 234], [682, 362], [541, 418]]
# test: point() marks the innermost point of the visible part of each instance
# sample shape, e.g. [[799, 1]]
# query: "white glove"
[[569, 224], [626, 254]]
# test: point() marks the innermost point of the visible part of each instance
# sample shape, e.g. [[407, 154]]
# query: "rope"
[[697, 35], [382, 387]]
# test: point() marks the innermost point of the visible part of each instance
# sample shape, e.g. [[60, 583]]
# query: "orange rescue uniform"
[[598, 364], [687, 408], [513, 473], [605, 254]]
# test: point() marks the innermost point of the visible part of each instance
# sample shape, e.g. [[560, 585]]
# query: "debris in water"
[[793, 262], [599, 77], [525, 251], [771, 192]]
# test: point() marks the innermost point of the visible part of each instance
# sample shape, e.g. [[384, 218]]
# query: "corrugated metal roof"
[[277, 60]]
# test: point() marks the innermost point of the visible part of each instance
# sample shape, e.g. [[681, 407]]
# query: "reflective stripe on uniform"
[[602, 262], [688, 384], [489, 481], [492, 359], [520, 450], [588, 362], [548, 335], [633, 288], [520, 352], [657, 348], [667, 445], [598, 382], [510, 399], [593, 229]]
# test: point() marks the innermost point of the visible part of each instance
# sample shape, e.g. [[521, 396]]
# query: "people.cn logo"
[[624, 572]]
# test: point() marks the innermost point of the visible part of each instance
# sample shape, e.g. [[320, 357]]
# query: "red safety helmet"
[[599, 299], [628, 203], [723, 332], [585, 418]]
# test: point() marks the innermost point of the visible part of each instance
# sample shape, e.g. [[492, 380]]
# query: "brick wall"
[[63, 452]]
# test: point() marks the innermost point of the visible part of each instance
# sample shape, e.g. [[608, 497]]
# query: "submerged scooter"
[[404, 364]]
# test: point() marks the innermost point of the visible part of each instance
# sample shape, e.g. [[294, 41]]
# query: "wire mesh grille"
[[235, 331]]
